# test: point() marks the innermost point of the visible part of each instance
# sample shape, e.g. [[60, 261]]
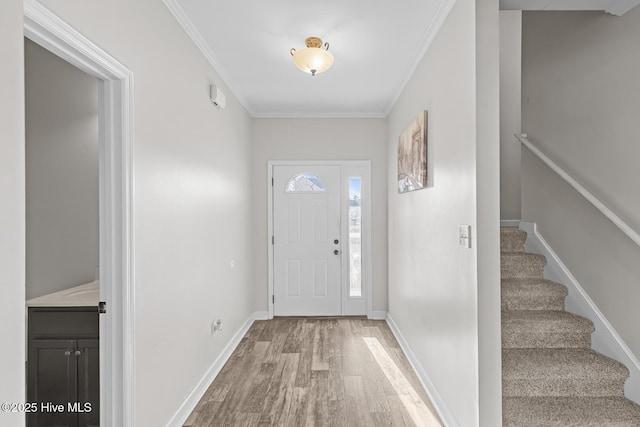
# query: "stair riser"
[[533, 302], [514, 268], [512, 240], [507, 422], [586, 387], [545, 340], [512, 244], [546, 423], [570, 412]]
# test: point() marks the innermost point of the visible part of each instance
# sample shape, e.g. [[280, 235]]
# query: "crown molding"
[[613, 7], [620, 7], [438, 19], [183, 19]]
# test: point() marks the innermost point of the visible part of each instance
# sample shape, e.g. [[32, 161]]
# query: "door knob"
[[336, 252]]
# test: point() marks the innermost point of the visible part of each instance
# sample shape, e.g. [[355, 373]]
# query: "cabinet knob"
[[78, 353], [67, 353]]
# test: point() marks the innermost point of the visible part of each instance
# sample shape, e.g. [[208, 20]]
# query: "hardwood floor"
[[316, 372]]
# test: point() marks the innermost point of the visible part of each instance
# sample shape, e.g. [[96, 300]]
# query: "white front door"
[[307, 246]]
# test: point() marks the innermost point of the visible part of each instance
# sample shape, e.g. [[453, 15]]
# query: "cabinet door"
[[88, 403], [52, 382]]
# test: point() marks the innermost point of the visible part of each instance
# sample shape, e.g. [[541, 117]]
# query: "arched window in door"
[[305, 182]]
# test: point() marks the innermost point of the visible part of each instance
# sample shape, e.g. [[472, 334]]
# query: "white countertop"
[[87, 295]]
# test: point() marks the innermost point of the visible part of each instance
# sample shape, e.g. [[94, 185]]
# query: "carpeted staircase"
[[550, 375]]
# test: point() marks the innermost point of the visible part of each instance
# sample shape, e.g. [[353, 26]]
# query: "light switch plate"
[[464, 236]]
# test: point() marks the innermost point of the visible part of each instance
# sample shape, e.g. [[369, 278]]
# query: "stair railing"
[[623, 226]]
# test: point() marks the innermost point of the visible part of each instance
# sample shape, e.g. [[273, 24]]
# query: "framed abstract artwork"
[[412, 155]]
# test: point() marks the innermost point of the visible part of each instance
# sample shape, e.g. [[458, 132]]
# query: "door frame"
[[115, 206], [366, 226]]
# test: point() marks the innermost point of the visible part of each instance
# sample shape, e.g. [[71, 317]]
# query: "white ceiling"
[[377, 45]]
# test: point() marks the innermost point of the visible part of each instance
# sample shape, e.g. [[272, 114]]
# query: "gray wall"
[[434, 284], [192, 210], [581, 100], [510, 112], [61, 118], [320, 139], [580, 106]]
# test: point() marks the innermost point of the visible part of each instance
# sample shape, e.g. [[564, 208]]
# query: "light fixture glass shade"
[[314, 59]]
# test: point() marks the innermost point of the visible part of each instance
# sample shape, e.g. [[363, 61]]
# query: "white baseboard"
[[436, 399], [196, 394], [605, 339], [378, 315]]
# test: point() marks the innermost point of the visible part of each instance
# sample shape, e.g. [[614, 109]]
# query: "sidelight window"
[[355, 237]]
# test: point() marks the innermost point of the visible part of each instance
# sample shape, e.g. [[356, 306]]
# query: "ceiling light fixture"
[[315, 58]]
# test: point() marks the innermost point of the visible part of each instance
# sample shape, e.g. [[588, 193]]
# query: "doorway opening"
[[115, 99], [319, 238], [62, 237]]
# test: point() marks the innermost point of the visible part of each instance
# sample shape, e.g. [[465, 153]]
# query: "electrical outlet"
[[216, 327], [464, 236]]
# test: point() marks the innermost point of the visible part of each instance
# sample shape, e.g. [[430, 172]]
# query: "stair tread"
[[526, 255], [532, 287], [510, 228], [532, 294], [531, 282], [541, 321], [559, 363], [606, 411]]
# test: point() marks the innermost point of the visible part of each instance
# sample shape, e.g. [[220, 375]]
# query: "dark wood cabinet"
[[63, 366]]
